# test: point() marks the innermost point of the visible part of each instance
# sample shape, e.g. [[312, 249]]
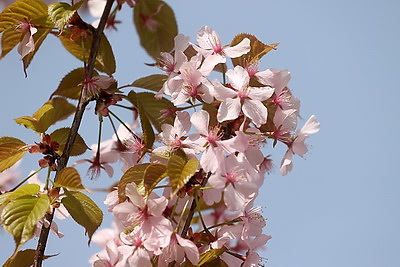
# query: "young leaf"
[[21, 10], [54, 110], [11, 151], [60, 14], [20, 216], [153, 174], [154, 108], [69, 178], [61, 135], [257, 51], [105, 61], [69, 86], [135, 175], [211, 255], [24, 258], [156, 26], [180, 171], [153, 82], [84, 211]]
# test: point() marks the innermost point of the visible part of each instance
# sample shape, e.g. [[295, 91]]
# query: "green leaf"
[[21, 10], [11, 151], [211, 255], [28, 189], [134, 174], [60, 14], [84, 211], [54, 110], [153, 174], [20, 216], [257, 51], [105, 61], [69, 86], [153, 108], [69, 178], [24, 258], [61, 135], [9, 40], [180, 171], [153, 82], [156, 26]]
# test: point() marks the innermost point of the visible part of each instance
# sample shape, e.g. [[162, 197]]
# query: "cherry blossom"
[[242, 97]]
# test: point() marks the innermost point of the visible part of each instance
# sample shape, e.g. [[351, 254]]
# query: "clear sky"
[[340, 206]]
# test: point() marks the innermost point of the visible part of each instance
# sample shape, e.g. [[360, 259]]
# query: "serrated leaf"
[[24, 258], [211, 255], [257, 51], [61, 135], [135, 175], [20, 216], [105, 61], [10, 152], [84, 211], [28, 189], [69, 86], [156, 26], [69, 178], [153, 108], [21, 10], [153, 82], [153, 174], [180, 171], [60, 14], [54, 110]]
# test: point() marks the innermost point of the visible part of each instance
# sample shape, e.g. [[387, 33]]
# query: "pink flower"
[[210, 46], [297, 146], [27, 44], [93, 85], [242, 97], [208, 140]]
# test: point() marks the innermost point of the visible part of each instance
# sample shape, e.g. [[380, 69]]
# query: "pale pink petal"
[[260, 93], [229, 109], [256, 111], [286, 164], [181, 42], [310, 127], [238, 50], [200, 121], [134, 195], [274, 78], [191, 250], [210, 62], [221, 92], [238, 78]]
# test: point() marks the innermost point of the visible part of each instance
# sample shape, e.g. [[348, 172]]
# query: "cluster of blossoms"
[[226, 136]]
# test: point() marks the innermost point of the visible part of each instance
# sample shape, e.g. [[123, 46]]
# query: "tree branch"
[[62, 163]]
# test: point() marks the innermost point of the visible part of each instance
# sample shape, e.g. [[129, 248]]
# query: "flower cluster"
[[226, 137]]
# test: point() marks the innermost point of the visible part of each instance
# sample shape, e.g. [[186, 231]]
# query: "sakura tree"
[[194, 154]]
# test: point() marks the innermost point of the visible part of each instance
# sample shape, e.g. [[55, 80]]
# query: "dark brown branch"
[[62, 163], [193, 208]]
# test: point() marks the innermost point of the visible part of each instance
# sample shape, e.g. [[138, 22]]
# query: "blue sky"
[[340, 206]]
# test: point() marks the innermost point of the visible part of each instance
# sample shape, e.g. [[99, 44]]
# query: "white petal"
[[229, 109]]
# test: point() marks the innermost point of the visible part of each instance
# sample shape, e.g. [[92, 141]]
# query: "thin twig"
[[62, 163], [193, 208]]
